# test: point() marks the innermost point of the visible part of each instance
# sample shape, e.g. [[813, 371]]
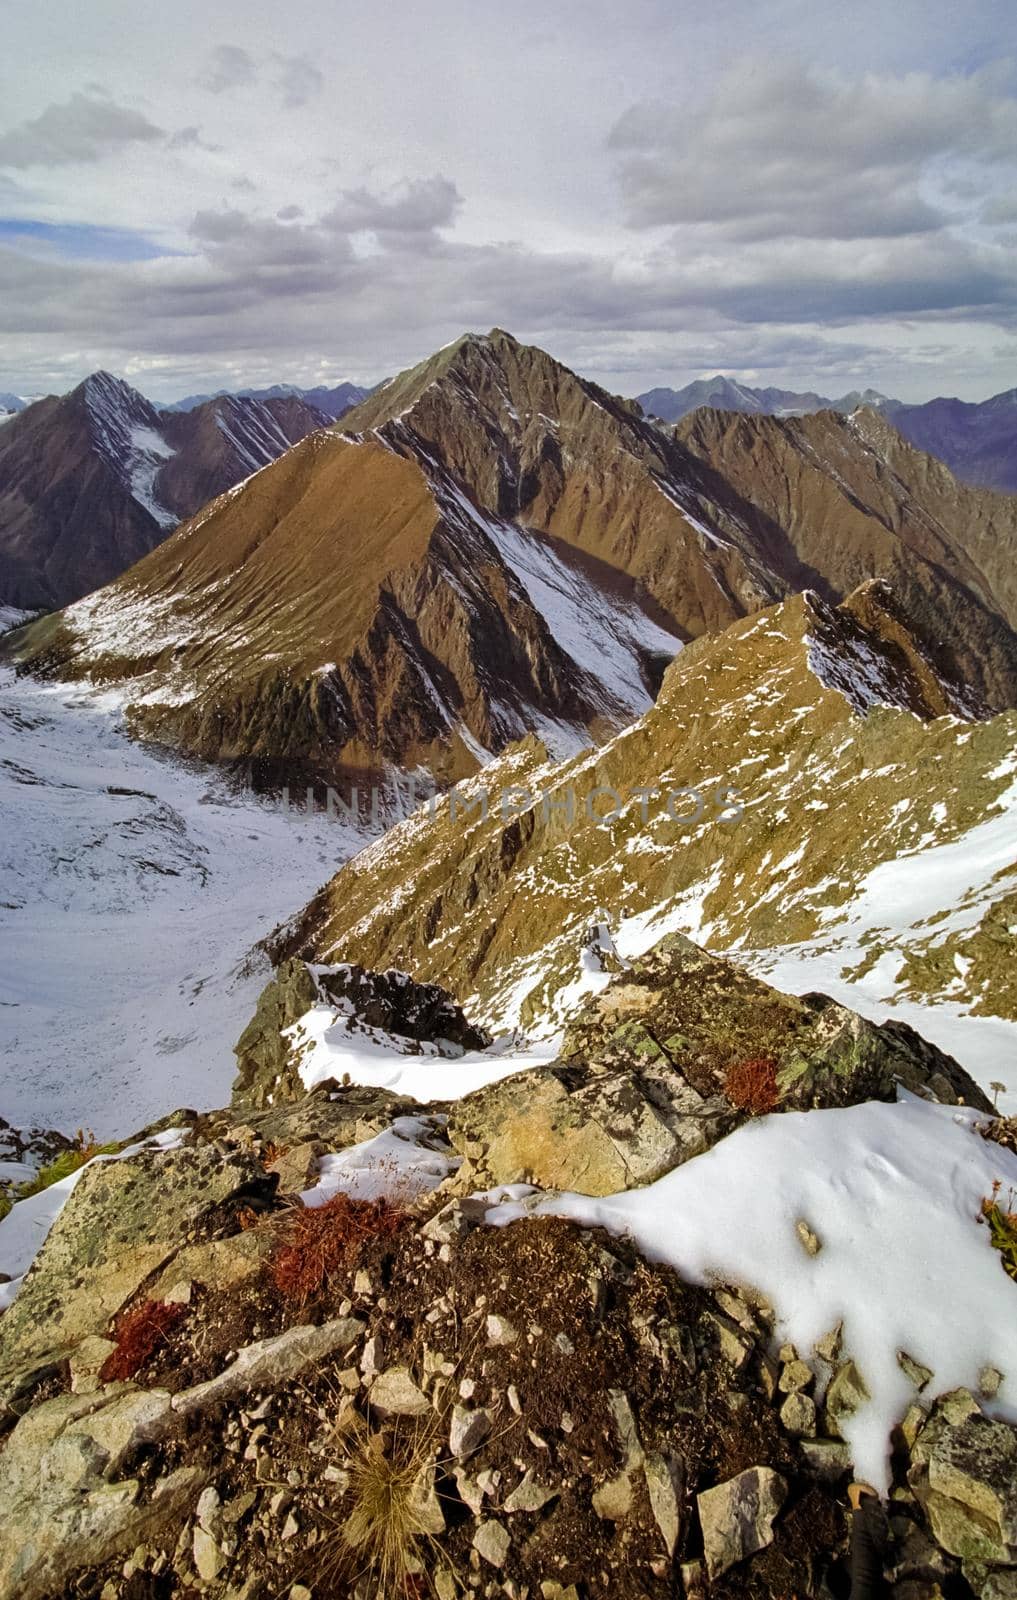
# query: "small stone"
[[470, 1491], [468, 1430], [493, 1542], [798, 1415], [989, 1381], [846, 1393], [363, 1288], [665, 1483], [528, 1495], [828, 1347], [827, 1460], [180, 1294], [207, 1509], [810, 1240], [612, 1501], [291, 1527], [913, 1370], [795, 1376], [395, 1394], [300, 1592], [512, 1396], [500, 1331], [208, 1558]]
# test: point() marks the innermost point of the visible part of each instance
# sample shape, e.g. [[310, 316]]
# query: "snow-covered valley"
[[132, 891]]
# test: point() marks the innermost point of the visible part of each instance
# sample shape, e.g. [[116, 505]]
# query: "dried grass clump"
[[393, 1511], [138, 1334], [320, 1241], [752, 1085]]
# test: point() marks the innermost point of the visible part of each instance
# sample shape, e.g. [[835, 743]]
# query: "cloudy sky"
[[797, 191]]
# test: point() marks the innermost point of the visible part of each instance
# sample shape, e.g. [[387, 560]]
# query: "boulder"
[[123, 1221], [593, 1132], [737, 1517], [64, 1507], [964, 1474]]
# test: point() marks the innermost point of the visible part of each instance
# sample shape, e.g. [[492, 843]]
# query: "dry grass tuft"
[[319, 1241], [752, 1085], [138, 1334], [393, 1510]]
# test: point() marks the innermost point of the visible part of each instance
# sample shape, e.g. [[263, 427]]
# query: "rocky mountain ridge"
[[977, 440], [784, 767]]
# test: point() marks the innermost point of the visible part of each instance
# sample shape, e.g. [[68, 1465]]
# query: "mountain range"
[[976, 440], [490, 545], [93, 480], [334, 401]]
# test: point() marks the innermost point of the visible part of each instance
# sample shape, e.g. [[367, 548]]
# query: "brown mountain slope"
[[343, 610], [92, 481], [821, 742]]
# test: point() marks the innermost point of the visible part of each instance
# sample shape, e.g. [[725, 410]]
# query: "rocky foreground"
[[279, 1350]]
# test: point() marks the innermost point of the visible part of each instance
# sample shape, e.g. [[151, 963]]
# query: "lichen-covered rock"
[[964, 1473], [123, 1221], [593, 1132], [682, 1014], [64, 1507]]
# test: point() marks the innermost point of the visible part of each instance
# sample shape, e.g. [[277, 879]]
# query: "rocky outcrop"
[[672, 1055], [374, 1003], [263, 1051], [121, 1223]]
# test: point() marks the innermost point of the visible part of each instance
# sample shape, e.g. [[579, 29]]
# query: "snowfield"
[[132, 890]]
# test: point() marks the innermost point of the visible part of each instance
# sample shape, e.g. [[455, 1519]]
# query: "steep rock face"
[[535, 442], [92, 481], [857, 502], [844, 749]]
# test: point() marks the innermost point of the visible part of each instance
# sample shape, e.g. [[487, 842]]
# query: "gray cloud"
[[414, 207], [84, 128], [230, 68], [781, 150], [297, 80]]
